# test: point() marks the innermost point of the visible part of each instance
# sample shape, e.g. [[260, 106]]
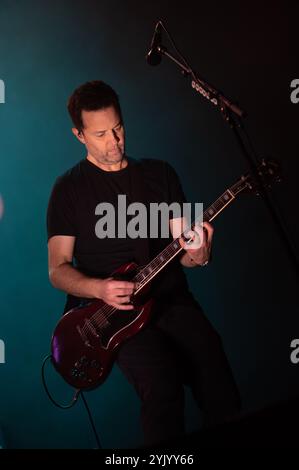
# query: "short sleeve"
[[61, 213]]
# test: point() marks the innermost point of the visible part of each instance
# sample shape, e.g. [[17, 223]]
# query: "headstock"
[[268, 174]]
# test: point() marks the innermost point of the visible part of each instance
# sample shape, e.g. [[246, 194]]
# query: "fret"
[[226, 197], [158, 262], [211, 211], [149, 271], [217, 206]]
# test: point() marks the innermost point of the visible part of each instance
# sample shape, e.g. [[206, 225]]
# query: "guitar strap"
[[138, 194]]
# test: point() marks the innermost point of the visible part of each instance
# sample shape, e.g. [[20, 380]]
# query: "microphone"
[[154, 57]]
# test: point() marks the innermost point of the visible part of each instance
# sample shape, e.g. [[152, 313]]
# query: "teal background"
[[248, 292]]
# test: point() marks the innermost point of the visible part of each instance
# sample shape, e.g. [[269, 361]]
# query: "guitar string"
[[108, 310], [172, 249]]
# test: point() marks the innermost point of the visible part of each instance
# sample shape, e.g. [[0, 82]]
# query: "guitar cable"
[[78, 392]]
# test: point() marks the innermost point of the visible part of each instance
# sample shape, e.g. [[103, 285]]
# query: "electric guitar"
[[86, 339]]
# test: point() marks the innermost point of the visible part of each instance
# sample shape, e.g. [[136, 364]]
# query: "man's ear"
[[78, 134]]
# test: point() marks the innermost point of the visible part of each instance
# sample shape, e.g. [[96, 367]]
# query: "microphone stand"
[[232, 114]]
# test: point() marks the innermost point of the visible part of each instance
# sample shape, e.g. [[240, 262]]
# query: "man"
[[179, 345]]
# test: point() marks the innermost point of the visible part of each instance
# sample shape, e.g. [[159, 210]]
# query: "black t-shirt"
[[72, 211]]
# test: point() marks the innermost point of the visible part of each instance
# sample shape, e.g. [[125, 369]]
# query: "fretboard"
[[147, 273]]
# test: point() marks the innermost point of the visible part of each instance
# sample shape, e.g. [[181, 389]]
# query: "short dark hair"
[[91, 96]]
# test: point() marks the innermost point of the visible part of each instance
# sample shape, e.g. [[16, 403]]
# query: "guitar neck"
[[165, 256]]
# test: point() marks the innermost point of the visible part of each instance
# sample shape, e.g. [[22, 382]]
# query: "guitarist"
[[179, 346]]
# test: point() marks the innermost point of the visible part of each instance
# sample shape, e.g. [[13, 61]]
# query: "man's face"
[[103, 135]]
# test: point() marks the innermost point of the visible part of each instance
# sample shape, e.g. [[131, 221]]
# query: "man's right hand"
[[116, 293], [66, 277]]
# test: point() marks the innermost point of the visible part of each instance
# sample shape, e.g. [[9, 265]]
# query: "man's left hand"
[[199, 242]]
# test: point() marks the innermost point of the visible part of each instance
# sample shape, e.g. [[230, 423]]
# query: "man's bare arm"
[[64, 276]]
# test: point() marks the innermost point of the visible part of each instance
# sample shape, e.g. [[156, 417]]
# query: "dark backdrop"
[[249, 292]]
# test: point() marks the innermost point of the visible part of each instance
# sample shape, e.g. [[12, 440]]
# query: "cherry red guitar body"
[[86, 339]]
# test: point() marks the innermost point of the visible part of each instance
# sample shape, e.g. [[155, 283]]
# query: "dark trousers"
[[179, 347]]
